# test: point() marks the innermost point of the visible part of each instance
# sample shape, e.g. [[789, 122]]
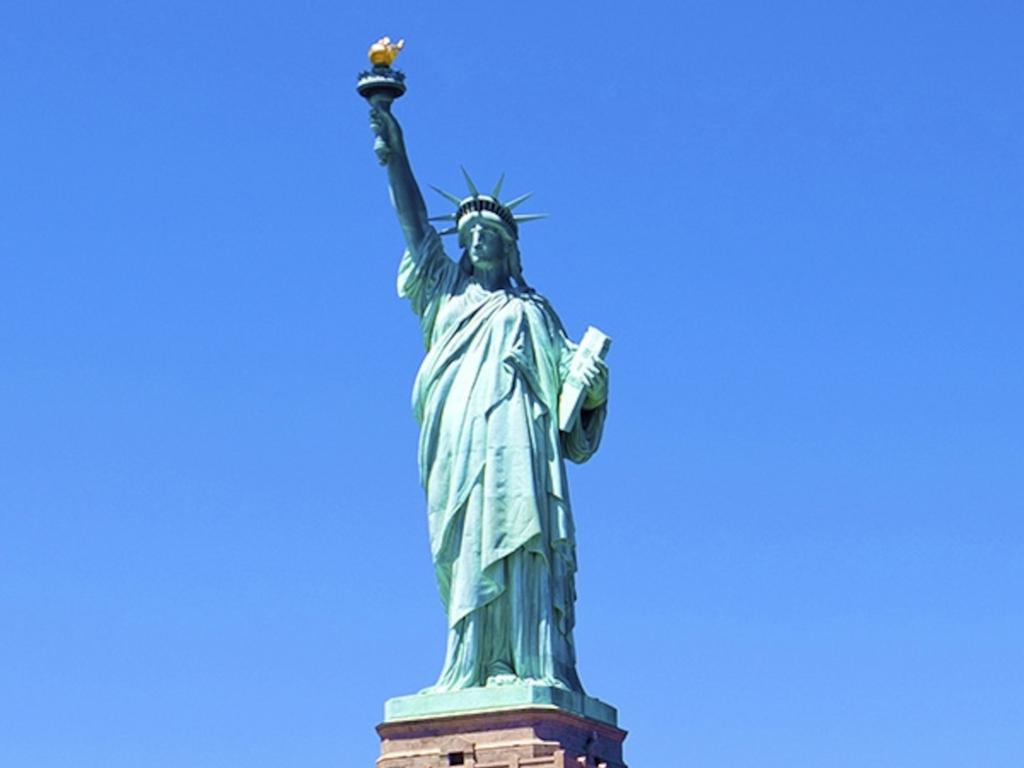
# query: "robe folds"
[[491, 462]]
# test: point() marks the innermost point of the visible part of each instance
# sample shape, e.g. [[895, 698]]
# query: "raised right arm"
[[405, 192]]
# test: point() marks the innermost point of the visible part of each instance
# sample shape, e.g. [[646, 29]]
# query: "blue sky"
[[801, 543]]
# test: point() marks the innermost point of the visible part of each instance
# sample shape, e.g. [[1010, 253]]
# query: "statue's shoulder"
[[533, 299], [539, 303]]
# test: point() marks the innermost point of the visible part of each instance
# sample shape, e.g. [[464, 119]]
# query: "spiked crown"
[[488, 207]]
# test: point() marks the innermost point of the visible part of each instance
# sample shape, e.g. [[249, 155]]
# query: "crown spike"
[[450, 197], [521, 199], [449, 231], [443, 217], [497, 187], [529, 217], [469, 183]]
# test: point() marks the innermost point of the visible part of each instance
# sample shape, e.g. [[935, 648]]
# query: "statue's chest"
[[477, 312]]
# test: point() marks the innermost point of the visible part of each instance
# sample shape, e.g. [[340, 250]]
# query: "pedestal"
[[499, 697], [529, 737]]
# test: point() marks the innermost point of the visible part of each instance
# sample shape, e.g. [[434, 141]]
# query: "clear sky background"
[[801, 543]]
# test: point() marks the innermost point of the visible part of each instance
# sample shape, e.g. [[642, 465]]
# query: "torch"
[[382, 84]]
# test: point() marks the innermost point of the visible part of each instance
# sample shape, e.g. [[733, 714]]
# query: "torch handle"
[[381, 101]]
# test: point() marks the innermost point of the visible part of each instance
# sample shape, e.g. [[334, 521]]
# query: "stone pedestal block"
[[519, 738]]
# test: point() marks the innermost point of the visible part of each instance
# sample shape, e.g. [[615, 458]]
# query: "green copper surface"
[[491, 454], [490, 699]]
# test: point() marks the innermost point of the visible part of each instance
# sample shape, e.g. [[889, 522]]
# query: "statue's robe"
[[491, 461]]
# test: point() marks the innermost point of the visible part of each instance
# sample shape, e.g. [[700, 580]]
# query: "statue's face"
[[485, 245]]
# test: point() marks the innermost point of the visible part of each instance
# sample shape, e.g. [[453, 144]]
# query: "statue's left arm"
[[582, 440], [594, 375]]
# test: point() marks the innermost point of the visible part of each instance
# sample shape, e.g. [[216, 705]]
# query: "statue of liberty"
[[491, 449]]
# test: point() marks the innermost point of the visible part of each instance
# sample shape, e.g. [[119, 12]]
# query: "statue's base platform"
[[501, 697], [533, 737]]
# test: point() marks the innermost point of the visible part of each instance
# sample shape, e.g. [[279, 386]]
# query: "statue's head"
[[490, 245], [488, 230]]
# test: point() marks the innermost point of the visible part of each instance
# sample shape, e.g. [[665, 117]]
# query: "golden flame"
[[384, 52]]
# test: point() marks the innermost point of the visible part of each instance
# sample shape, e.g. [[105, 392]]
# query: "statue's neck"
[[491, 279]]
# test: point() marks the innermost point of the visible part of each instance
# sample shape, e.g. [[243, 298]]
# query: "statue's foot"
[[502, 679], [547, 682]]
